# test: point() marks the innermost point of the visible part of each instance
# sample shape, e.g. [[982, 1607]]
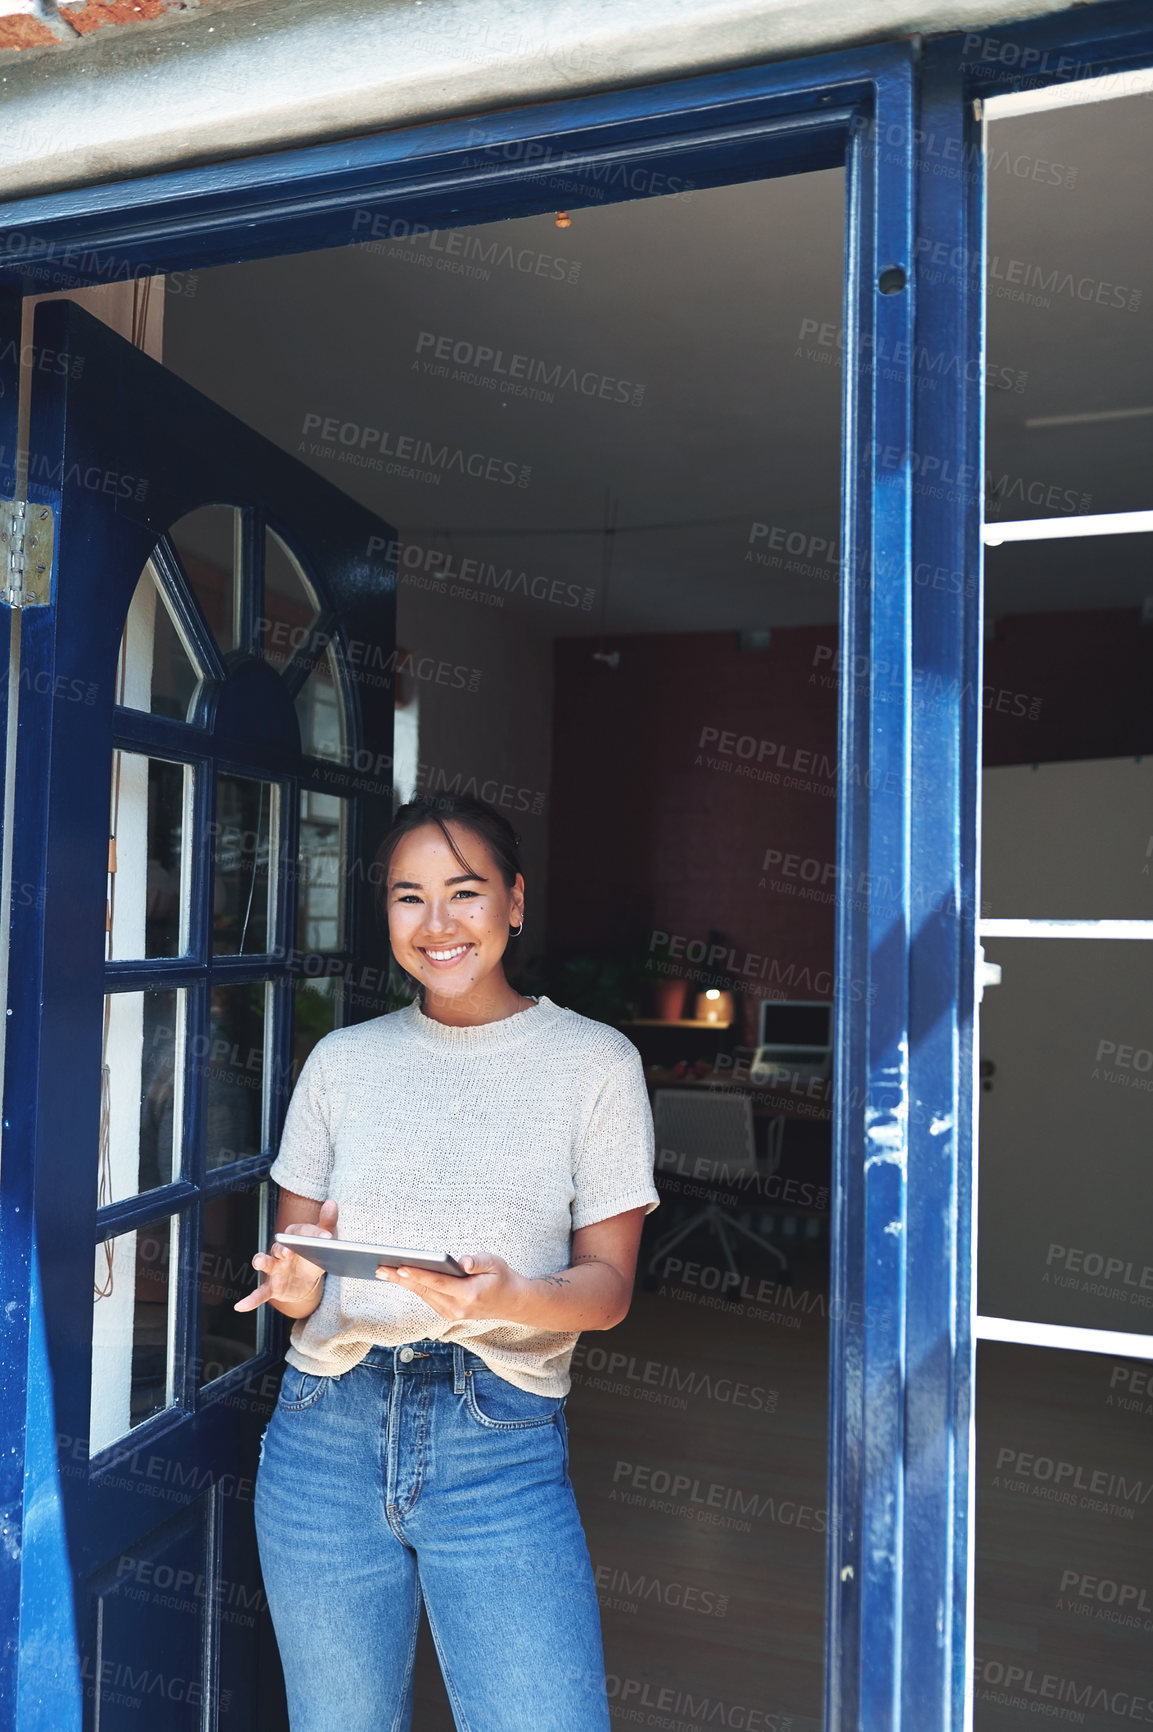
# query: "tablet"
[[353, 1258]]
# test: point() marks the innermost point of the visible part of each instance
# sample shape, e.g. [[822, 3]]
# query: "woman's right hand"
[[291, 1283]]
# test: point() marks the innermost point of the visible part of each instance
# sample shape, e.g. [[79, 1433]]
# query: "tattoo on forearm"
[[563, 1280]]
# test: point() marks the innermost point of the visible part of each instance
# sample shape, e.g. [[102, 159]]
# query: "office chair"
[[718, 1129]]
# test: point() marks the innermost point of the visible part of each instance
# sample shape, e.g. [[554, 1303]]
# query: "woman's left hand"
[[492, 1288]]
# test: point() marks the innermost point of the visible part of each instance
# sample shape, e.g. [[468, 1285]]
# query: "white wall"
[[498, 738]]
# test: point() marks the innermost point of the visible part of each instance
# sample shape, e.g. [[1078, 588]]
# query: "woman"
[[418, 1448]]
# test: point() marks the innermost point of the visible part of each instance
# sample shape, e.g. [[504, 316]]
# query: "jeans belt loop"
[[457, 1368]]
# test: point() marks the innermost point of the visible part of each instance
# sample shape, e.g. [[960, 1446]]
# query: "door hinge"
[[27, 534]]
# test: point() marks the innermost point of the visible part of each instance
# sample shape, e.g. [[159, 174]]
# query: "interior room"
[[616, 543]]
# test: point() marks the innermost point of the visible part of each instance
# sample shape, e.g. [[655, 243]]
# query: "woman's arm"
[[292, 1284], [594, 1292]]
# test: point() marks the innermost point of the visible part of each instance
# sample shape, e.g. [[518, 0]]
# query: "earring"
[[515, 931]]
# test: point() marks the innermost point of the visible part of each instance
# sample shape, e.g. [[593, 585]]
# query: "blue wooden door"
[[202, 678]]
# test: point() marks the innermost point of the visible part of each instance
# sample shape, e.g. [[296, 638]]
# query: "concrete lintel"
[[254, 76]]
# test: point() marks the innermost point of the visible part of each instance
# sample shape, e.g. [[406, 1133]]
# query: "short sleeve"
[[304, 1161], [613, 1170]]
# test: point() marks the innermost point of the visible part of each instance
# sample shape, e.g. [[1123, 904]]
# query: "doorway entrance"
[[860, 1005], [616, 545]]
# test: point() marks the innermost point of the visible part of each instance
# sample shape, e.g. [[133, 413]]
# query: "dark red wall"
[[1068, 685], [655, 828], [661, 824]]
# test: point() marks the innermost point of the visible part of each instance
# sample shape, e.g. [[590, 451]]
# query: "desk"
[[681, 1022], [810, 1100], [692, 1038]]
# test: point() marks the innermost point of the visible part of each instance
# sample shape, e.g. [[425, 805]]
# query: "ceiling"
[[716, 317], [1071, 226], [691, 309]]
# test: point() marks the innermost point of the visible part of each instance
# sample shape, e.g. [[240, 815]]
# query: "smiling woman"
[[520, 1134], [448, 919]]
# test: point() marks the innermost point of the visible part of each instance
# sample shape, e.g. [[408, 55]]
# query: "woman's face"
[[448, 924]]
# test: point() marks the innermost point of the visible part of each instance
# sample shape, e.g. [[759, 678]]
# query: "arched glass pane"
[[316, 1009], [208, 542], [232, 1225], [290, 604], [231, 1073], [140, 1093], [149, 823], [320, 711], [247, 820], [157, 671], [321, 871], [132, 1366]]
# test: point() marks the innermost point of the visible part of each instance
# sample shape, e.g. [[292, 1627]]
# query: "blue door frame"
[[901, 116]]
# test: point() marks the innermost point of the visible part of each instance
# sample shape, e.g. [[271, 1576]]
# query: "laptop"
[[794, 1039]]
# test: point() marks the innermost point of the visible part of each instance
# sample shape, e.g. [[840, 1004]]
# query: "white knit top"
[[502, 1137]]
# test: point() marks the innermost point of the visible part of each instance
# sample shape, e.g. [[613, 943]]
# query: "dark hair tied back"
[[475, 816]]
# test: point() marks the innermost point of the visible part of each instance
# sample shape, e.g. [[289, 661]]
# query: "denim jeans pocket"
[[300, 1389], [500, 1405]]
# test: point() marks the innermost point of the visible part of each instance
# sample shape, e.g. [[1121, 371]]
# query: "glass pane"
[[233, 1071], [140, 1114], [208, 542], [1063, 1542], [247, 824], [290, 604], [132, 1335], [1067, 722], [1070, 317], [1063, 1613], [316, 1009], [1068, 841], [232, 1233], [406, 749], [320, 711], [320, 872], [147, 892], [156, 1599], [157, 671], [1066, 1132]]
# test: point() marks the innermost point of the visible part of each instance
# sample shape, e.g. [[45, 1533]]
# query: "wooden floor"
[[734, 1614], [1064, 1605]]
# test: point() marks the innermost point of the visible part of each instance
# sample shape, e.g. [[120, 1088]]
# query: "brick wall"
[[694, 793], [57, 23]]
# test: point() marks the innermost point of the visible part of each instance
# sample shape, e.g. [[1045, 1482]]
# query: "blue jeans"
[[426, 1478]]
